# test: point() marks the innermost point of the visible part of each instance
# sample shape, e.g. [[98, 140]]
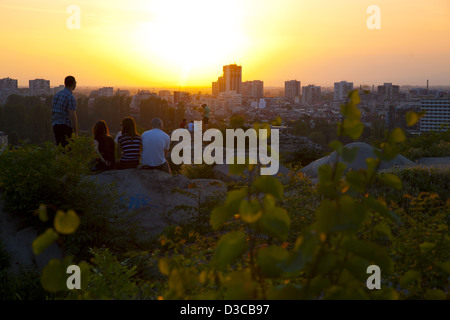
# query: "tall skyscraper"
[[232, 77], [39, 87], [291, 89], [253, 89], [311, 94], [341, 89]]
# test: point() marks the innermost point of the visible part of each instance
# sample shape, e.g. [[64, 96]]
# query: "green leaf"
[[397, 136], [44, 241], [390, 151], [236, 169], [372, 164], [444, 266], [349, 154], [381, 208], [54, 277], [371, 252], [240, 286], [435, 294], [164, 266], [411, 118], [426, 247], [269, 185], [391, 180], [231, 206], [229, 248], [269, 260], [275, 222], [219, 215], [383, 229], [43, 216], [352, 128], [356, 180], [337, 146], [250, 211], [354, 97], [409, 277], [326, 216], [66, 223]]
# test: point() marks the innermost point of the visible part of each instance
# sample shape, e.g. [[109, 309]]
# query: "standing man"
[[64, 115], [205, 116], [155, 147]]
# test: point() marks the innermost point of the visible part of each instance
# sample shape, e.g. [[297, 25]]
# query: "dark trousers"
[[127, 165], [164, 167], [62, 134]]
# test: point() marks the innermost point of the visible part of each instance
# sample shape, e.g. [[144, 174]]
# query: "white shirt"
[[154, 142]]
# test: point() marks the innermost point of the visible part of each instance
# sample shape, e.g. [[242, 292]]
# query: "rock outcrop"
[[364, 151]]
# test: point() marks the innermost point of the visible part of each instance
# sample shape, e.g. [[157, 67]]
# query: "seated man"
[[155, 146]]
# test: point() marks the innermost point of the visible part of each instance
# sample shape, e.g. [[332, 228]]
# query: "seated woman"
[[129, 145], [104, 148]]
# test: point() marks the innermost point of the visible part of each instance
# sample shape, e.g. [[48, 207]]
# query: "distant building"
[[218, 87], [39, 87], [106, 92], [253, 89], [122, 93], [180, 96], [388, 91], [58, 89], [291, 89], [311, 94], [232, 77], [164, 93], [3, 141], [8, 86], [342, 89], [437, 115]]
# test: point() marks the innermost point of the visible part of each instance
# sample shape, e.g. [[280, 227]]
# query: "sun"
[[191, 35]]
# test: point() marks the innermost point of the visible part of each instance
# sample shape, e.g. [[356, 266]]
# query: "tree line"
[[30, 118]]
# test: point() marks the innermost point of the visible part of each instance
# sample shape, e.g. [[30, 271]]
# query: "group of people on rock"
[[149, 150], [190, 125]]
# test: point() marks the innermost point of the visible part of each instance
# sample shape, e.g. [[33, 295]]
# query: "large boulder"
[[18, 239], [222, 172], [156, 199], [364, 151]]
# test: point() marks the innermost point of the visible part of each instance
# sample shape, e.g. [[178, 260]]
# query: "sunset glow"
[[170, 43]]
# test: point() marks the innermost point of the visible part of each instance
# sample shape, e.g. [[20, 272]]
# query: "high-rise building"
[[8, 84], [39, 87], [253, 89], [342, 89], [437, 115], [291, 89], [311, 94], [232, 78], [388, 91]]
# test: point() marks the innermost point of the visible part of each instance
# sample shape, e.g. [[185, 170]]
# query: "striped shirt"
[[63, 101], [131, 147]]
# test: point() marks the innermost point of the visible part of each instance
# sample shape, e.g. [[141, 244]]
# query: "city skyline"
[[170, 44]]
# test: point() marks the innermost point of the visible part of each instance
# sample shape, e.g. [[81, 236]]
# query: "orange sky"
[[165, 43]]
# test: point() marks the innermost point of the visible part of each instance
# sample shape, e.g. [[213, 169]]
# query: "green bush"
[[428, 144], [197, 171]]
